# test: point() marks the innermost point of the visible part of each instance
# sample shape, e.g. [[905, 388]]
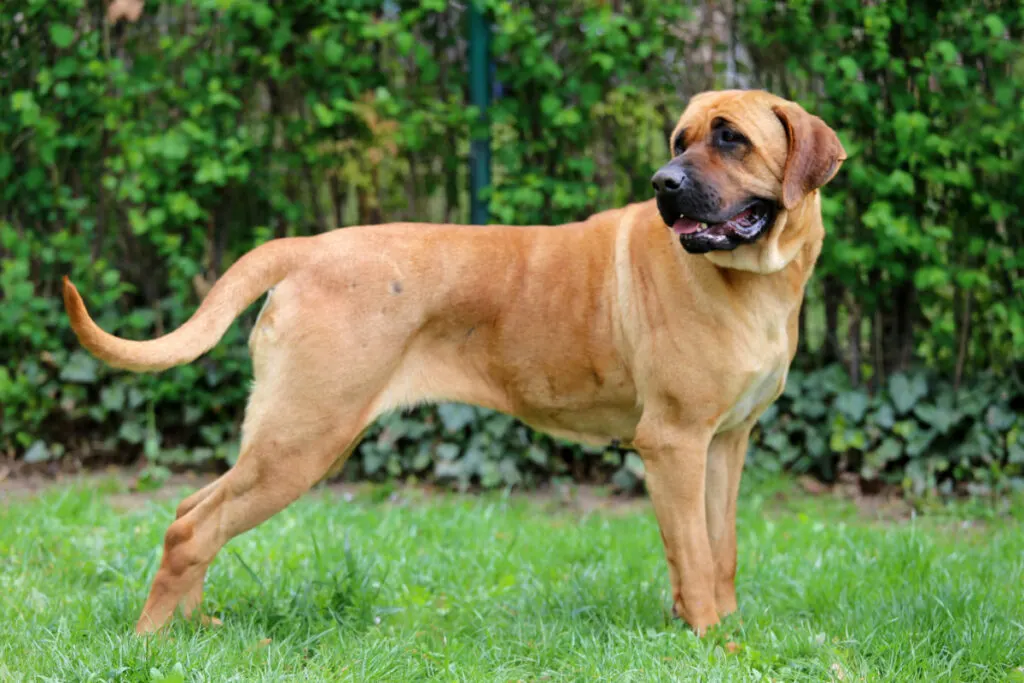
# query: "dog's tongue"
[[685, 226]]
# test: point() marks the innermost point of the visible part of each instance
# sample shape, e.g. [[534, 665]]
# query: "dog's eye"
[[679, 144], [730, 137]]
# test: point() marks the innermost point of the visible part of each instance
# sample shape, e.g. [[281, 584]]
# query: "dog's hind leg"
[[317, 387], [289, 444], [194, 595], [196, 497]]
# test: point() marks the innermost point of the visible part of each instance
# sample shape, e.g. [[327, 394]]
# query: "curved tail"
[[244, 282]]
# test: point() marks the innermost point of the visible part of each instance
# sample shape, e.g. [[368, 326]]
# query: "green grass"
[[495, 588]]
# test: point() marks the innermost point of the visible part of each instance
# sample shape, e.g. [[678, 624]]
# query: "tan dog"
[[607, 329]]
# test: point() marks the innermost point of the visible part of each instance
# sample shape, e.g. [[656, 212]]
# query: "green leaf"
[[624, 480], [930, 277], [884, 416], [211, 171], [509, 472], [62, 35], [23, 100], [889, 451], [810, 409], [537, 455], [37, 452], [550, 104], [421, 460], [853, 404], [905, 392], [132, 432], [936, 417], [634, 465], [856, 438], [816, 445], [947, 51], [848, 66], [777, 441], [404, 41], [995, 25], [1000, 418], [837, 442], [905, 428], [373, 460], [113, 398], [323, 114], [448, 451], [499, 424], [920, 442], [456, 416], [80, 368], [490, 474]]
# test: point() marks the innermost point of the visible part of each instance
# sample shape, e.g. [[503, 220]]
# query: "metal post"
[[479, 97]]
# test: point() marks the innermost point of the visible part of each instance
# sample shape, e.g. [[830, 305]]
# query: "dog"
[[668, 326]]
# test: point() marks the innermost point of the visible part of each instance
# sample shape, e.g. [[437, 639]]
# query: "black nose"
[[668, 179]]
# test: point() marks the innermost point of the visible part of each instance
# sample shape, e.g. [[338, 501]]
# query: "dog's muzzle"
[[692, 209]]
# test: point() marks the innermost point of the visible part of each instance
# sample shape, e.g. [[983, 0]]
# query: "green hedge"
[[920, 432], [925, 248], [144, 158]]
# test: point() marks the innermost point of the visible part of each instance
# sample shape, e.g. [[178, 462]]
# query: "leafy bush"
[[463, 445], [143, 158], [919, 432], [925, 249]]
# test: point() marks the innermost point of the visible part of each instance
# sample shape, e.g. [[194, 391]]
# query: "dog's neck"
[[784, 245]]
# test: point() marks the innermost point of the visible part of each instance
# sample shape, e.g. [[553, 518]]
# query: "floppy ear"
[[815, 153]]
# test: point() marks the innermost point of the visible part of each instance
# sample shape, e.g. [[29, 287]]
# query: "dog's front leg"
[[675, 464], [725, 466]]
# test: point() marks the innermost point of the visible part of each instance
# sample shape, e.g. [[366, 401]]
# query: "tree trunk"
[[832, 295], [878, 337], [338, 198], [854, 343], [965, 339], [907, 314]]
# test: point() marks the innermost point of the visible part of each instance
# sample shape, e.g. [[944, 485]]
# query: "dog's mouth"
[[699, 236]]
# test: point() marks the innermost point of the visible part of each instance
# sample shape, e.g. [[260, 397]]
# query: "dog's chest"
[[758, 395], [762, 384]]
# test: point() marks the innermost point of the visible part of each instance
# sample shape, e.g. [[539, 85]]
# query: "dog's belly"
[[597, 426], [573, 404], [583, 394], [568, 397]]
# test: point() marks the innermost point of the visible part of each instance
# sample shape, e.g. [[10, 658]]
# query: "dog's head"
[[743, 161]]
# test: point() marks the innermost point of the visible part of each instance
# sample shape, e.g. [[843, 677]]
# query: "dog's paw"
[[700, 623]]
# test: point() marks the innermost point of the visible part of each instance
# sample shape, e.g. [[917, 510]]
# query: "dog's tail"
[[244, 282]]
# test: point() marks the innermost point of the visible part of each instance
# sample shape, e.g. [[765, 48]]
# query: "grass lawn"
[[495, 588]]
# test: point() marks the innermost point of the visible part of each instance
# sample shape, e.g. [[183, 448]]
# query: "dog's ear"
[[815, 153]]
